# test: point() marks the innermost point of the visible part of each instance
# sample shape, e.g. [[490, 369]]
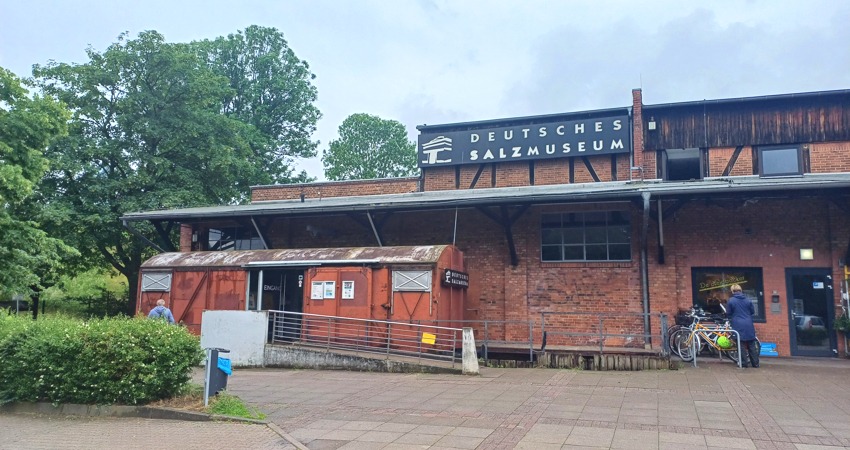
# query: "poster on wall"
[[317, 290], [347, 290], [330, 289]]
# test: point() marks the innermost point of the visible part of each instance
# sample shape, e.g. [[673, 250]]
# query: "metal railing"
[[620, 330], [494, 334], [367, 336]]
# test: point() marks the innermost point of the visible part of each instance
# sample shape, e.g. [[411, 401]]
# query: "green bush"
[[812, 336], [103, 361]]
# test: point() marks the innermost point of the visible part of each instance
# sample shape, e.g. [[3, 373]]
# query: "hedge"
[[101, 361]]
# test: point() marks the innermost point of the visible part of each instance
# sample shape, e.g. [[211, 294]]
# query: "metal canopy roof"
[[421, 254], [468, 198]]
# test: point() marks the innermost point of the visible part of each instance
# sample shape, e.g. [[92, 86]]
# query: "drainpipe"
[[644, 269]]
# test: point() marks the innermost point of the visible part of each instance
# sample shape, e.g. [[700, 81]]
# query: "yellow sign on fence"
[[428, 338]]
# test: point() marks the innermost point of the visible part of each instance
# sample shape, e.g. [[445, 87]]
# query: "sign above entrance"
[[455, 278], [542, 140]]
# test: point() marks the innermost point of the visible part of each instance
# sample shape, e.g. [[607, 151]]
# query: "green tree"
[[29, 258], [148, 132], [370, 147], [271, 90]]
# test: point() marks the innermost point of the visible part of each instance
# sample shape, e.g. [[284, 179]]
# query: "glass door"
[[810, 312]]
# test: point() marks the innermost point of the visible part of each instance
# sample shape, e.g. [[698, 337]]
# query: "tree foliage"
[[28, 256], [153, 127], [271, 90], [370, 147]]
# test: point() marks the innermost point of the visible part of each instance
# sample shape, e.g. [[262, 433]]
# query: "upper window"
[[233, 238], [679, 164], [780, 161], [586, 236]]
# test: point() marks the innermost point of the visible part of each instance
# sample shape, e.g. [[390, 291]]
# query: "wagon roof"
[[300, 257]]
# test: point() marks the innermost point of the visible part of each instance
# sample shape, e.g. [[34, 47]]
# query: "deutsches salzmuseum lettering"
[[556, 139]]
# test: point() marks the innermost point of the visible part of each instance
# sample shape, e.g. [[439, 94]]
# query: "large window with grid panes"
[[586, 236]]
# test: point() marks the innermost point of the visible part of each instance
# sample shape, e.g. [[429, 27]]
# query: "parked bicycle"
[[716, 337]]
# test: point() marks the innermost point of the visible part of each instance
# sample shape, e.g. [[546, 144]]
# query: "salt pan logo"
[[433, 148]]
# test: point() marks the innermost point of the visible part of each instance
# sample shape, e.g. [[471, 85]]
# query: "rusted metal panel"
[[239, 258], [729, 123]]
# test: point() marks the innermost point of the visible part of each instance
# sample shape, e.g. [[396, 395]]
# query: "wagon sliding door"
[[412, 302]]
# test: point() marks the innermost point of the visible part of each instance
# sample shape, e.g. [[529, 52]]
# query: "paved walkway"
[[786, 404]]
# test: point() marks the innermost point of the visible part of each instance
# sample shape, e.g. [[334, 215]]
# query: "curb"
[[143, 412]]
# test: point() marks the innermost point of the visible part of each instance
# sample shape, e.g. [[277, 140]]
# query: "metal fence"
[[612, 330], [367, 336]]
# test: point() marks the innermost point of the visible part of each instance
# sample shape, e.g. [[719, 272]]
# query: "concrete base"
[[294, 357]]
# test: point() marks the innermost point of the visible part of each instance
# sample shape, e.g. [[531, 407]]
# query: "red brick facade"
[[334, 189], [764, 232]]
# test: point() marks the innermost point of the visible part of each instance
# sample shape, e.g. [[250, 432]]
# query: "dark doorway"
[[810, 312], [282, 291]]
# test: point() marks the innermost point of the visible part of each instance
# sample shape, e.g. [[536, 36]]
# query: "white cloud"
[[441, 61]]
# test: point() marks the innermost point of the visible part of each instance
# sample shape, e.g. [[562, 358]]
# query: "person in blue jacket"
[[740, 311], [161, 312]]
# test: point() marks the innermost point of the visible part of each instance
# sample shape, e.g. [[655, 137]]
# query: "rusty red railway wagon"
[[414, 284]]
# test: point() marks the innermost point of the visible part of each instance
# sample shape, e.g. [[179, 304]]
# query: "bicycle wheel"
[[686, 347], [671, 344]]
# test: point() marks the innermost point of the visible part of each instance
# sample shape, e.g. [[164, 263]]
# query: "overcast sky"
[[441, 61]]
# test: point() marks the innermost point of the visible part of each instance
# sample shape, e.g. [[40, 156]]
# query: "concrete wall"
[[241, 332], [304, 358]]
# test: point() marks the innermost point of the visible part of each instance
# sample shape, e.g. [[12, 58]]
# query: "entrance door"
[[278, 290], [810, 312]]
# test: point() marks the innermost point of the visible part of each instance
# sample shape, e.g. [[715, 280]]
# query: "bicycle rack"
[[694, 347]]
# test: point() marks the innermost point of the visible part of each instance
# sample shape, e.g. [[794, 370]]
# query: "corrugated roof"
[[467, 198], [299, 256]]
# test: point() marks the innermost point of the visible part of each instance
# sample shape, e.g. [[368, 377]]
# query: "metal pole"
[[644, 269], [389, 332], [329, 334], [740, 350], [694, 346], [601, 338], [486, 339], [207, 379]]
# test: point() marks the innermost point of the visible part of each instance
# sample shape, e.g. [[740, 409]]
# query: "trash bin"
[[217, 371]]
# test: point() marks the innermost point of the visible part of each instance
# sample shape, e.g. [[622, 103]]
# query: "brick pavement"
[[21, 432], [787, 404]]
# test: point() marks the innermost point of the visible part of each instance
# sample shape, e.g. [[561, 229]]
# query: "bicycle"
[[711, 337], [682, 331]]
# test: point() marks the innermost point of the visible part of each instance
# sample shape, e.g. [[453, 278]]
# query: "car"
[[804, 322]]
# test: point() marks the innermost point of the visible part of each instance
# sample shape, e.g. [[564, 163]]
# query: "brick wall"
[[718, 159], [765, 234], [829, 157], [717, 233], [335, 189]]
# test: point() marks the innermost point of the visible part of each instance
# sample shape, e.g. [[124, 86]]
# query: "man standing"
[[160, 311], [740, 311]]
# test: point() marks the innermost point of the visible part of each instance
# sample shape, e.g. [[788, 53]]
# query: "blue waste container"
[[217, 371]]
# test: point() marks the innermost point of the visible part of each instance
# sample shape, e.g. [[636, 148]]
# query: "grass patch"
[[230, 405]]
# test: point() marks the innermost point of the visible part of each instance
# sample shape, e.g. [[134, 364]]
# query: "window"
[[586, 236], [412, 280], [156, 281], [680, 164], [233, 238], [780, 161], [712, 287]]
